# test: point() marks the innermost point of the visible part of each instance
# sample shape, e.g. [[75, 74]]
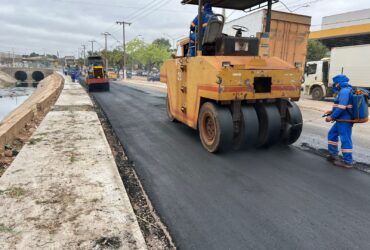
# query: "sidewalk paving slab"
[[63, 191]]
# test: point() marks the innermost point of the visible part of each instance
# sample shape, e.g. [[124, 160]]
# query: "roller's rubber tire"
[[294, 124], [249, 128], [216, 128], [269, 124], [317, 93], [169, 115], [107, 87]]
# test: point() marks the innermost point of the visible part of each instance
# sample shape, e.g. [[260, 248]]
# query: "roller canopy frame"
[[245, 5], [230, 4]]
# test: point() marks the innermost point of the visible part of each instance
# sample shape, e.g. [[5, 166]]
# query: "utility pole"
[[123, 23], [84, 48], [13, 58], [92, 46], [106, 34]]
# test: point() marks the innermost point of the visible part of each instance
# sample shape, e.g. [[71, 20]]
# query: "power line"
[[151, 11], [114, 5], [295, 7], [143, 9], [115, 38]]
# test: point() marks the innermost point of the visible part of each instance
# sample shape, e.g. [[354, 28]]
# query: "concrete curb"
[[35, 106]]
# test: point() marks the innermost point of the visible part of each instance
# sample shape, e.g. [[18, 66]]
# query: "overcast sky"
[[64, 25]]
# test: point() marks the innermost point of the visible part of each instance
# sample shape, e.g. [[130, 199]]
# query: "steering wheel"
[[240, 28]]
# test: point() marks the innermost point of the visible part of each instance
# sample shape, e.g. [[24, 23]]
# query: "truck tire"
[[317, 93]]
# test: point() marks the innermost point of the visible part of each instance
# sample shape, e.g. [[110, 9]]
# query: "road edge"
[[148, 218]]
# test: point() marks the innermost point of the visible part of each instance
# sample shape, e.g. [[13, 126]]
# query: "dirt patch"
[[5, 229], [155, 232], [14, 192]]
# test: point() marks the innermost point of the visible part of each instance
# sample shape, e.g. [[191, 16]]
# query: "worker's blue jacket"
[[206, 15], [343, 102], [341, 113]]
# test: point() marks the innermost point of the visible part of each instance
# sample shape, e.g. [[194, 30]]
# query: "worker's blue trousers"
[[344, 131], [192, 49]]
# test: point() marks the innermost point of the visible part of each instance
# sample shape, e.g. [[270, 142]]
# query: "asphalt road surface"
[[277, 198]]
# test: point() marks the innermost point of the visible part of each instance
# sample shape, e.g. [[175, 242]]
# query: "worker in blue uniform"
[[206, 15], [342, 128]]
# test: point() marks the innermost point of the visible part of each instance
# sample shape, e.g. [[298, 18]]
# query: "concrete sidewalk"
[[144, 84], [63, 191]]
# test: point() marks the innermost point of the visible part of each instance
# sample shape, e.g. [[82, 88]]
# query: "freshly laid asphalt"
[[276, 198]]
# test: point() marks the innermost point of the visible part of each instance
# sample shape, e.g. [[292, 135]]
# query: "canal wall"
[[34, 107]]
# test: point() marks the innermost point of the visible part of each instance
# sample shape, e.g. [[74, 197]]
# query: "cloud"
[[64, 25]]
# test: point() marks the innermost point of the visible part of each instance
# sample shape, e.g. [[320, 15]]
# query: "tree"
[[51, 56], [162, 42], [115, 57], [136, 52], [33, 54], [155, 55], [316, 50], [147, 56]]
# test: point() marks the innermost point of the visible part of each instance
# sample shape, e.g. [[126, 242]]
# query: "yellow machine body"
[[193, 80], [235, 90], [98, 72]]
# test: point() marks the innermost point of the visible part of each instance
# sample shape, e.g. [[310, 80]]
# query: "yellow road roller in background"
[[233, 91]]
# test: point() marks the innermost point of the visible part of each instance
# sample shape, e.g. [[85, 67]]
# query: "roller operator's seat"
[[212, 32]]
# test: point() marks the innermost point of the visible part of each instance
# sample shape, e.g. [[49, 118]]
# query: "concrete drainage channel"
[[155, 232]]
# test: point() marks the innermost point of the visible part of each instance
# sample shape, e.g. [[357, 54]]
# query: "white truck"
[[353, 61]]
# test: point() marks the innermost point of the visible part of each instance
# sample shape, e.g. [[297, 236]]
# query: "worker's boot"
[[332, 158], [342, 164]]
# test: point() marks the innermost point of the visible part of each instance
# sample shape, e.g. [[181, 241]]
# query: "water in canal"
[[11, 98]]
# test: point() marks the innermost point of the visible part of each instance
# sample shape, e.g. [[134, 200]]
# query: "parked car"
[[112, 74], [153, 77], [129, 74]]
